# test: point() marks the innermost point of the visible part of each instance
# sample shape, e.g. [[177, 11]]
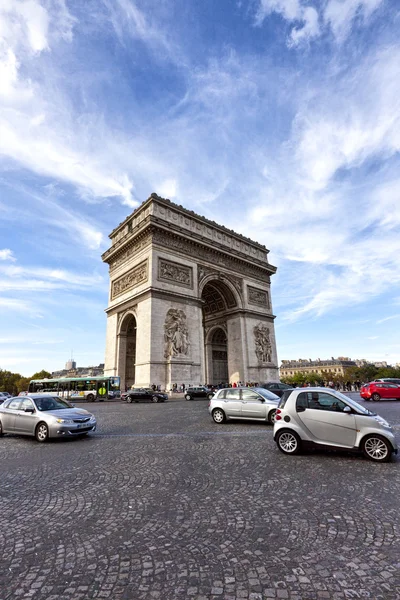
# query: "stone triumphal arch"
[[190, 301]]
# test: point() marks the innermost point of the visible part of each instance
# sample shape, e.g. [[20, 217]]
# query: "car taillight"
[[278, 415]]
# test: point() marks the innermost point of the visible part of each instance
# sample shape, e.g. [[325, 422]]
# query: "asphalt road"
[[161, 503]]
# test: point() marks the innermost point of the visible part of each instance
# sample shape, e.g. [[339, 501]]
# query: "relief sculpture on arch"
[[176, 334]]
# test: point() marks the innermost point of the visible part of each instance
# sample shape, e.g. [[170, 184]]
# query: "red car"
[[377, 390]]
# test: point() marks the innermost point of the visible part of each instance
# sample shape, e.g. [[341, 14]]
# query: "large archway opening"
[[129, 361], [219, 353], [218, 299]]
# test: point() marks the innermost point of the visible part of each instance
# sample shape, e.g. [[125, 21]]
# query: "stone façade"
[[165, 260]]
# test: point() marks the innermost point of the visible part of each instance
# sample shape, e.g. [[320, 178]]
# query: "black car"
[[200, 391], [276, 388], [144, 395]]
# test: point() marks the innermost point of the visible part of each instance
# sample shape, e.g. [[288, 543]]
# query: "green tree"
[[42, 375]]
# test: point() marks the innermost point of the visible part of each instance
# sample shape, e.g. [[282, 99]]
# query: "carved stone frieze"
[[175, 273], [203, 272], [199, 251], [263, 343], [139, 274], [257, 297], [176, 334], [138, 245]]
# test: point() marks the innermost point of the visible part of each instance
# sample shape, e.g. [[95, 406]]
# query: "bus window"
[[35, 386], [114, 384], [50, 386], [63, 389], [90, 385]]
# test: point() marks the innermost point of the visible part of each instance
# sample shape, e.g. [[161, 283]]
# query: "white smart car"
[[320, 417]]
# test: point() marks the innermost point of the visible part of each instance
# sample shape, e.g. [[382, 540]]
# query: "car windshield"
[[267, 394], [361, 409], [46, 403]]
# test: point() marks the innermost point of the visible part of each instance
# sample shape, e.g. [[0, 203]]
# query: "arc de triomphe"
[[190, 301]]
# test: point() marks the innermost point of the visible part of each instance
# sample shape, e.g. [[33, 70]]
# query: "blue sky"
[[277, 118]]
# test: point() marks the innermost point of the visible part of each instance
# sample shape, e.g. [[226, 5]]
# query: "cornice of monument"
[[150, 226], [154, 198]]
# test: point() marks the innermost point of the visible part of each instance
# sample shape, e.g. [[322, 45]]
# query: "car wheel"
[[218, 415], [375, 397], [271, 416], [129, 399], [42, 432], [90, 398], [288, 442], [1, 429], [188, 397], [376, 448], [155, 398]]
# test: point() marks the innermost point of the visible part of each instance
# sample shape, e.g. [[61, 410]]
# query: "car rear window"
[[284, 397]]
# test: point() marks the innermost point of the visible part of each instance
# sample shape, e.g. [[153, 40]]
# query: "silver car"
[[319, 417], [256, 404], [44, 417]]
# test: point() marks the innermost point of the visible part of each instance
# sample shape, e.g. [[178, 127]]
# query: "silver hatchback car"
[[256, 404], [320, 417], [44, 417]]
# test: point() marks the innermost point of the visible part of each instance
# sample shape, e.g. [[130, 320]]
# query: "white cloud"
[[15, 304], [319, 204], [7, 254], [167, 188], [387, 319], [340, 14], [309, 30], [126, 16], [337, 15], [52, 277], [38, 128]]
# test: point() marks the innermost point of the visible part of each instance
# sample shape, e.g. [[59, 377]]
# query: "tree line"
[[364, 374], [14, 383]]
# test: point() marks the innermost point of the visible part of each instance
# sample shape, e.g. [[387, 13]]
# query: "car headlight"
[[64, 421]]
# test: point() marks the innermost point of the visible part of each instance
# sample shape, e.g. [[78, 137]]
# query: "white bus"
[[76, 388]]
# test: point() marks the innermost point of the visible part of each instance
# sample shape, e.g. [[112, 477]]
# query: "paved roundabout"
[[162, 503]]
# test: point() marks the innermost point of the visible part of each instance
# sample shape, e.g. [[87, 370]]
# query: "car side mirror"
[[29, 409], [347, 409]]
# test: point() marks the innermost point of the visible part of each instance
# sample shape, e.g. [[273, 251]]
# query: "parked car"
[[255, 404], [325, 418], [276, 388], [44, 417], [4, 396], [143, 395], [389, 380], [377, 390], [200, 391]]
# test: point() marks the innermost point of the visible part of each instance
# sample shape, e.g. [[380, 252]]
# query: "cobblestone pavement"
[[161, 503]]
